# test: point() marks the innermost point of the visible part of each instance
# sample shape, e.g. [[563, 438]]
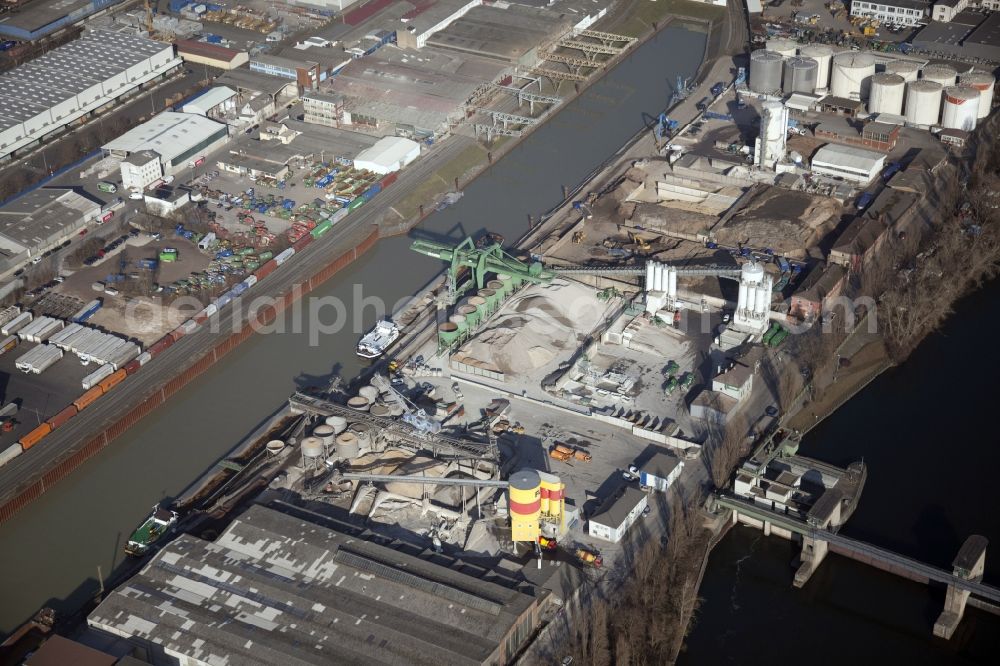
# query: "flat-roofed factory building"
[[279, 589]]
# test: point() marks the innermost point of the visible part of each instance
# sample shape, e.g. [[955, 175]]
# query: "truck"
[[105, 186], [589, 558]]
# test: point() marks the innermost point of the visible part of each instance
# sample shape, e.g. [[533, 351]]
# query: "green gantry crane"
[[489, 259]]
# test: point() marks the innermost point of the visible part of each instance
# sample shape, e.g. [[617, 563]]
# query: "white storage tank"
[[765, 71], [783, 46], [338, 423], [887, 93], [983, 82], [823, 55], [961, 108], [908, 69], [942, 74], [801, 75], [852, 73], [923, 102]]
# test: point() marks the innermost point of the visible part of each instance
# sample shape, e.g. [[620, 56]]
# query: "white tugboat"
[[376, 341]]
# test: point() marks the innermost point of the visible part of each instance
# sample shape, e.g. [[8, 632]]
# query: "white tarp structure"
[[390, 154]]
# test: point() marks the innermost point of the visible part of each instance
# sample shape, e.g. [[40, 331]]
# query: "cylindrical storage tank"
[[801, 75], [923, 102], [359, 403], [823, 55], [983, 82], [765, 71], [275, 446], [338, 423], [851, 75], [380, 410], [525, 494], [363, 432], [448, 333], [369, 392], [347, 446], [961, 108], [326, 435], [887, 93], [942, 74], [312, 448], [498, 286], [783, 46], [470, 313], [908, 69]]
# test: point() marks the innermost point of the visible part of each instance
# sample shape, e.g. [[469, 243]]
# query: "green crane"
[[489, 259]]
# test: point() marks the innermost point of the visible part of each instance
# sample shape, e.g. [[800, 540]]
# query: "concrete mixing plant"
[[770, 145]]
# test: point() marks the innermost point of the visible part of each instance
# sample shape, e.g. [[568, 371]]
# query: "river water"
[[927, 433], [51, 551]]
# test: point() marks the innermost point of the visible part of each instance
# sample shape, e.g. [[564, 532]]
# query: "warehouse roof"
[[209, 100], [848, 157], [33, 219], [282, 590], [68, 70], [614, 511], [169, 134]]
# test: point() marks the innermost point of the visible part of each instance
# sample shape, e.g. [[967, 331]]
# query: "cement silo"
[[887, 92], [961, 108], [823, 55], [783, 46], [908, 69], [852, 73], [765, 71], [983, 82], [801, 75], [923, 102], [942, 74]]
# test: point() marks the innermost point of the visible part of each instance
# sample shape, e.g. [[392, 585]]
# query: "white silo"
[[923, 102], [961, 108], [823, 55], [786, 47], [983, 82], [887, 92], [908, 69], [773, 135], [765, 71], [852, 73], [942, 74]]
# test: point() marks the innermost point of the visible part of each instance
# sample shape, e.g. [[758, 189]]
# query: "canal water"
[[51, 551], [927, 432]]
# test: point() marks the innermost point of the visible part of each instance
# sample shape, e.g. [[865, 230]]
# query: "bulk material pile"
[[93, 346], [38, 359]]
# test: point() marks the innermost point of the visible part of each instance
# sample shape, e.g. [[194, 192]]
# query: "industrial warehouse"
[[54, 91]]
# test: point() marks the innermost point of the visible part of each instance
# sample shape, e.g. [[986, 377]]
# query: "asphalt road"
[[27, 468]]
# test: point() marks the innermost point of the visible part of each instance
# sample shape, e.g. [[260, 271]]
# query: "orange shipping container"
[[112, 380], [63, 416], [35, 436], [89, 397]]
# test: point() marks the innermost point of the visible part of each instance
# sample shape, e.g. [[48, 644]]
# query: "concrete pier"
[[968, 564]]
